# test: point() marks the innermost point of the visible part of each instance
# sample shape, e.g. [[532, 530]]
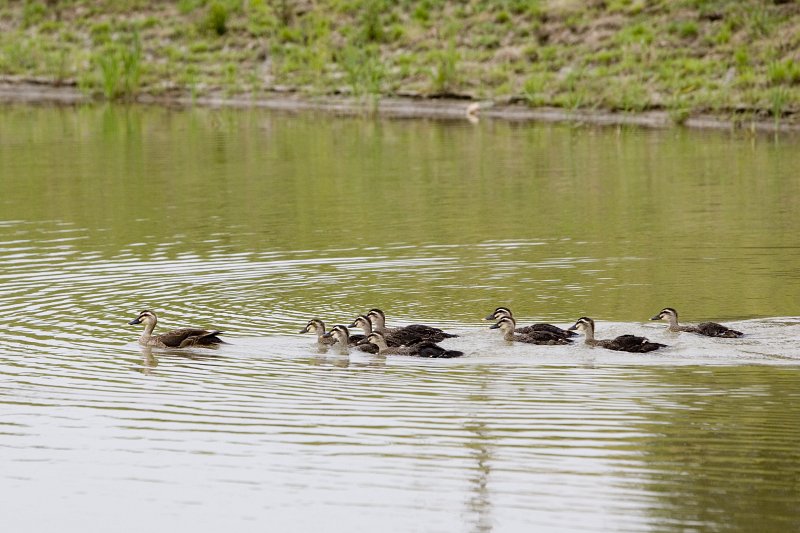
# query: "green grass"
[[683, 56]]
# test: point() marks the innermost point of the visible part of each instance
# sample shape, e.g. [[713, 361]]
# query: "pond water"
[[253, 222]]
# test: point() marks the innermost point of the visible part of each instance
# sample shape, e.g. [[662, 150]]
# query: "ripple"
[[504, 436]]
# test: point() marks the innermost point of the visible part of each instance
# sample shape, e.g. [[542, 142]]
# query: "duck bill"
[[657, 317], [573, 327], [353, 325], [135, 321], [495, 326], [490, 317], [304, 330]]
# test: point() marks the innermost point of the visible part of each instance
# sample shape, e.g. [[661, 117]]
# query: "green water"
[[254, 222]]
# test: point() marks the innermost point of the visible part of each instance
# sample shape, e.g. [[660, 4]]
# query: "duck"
[[623, 343], [315, 325], [421, 349], [709, 329], [502, 312], [341, 335], [177, 338], [508, 326], [406, 335]]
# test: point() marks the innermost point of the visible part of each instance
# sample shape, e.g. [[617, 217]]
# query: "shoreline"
[[36, 91]]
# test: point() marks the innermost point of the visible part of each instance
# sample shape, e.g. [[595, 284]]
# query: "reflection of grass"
[[684, 57], [778, 97]]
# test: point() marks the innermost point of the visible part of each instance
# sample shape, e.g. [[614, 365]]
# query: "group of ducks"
[[420, 340]]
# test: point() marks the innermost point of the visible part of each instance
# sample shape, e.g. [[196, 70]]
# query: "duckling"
[[421, 349], [507, 325], [709, 329], [623, 343], [177, 338], [406, 335], [315, 325], [341, 335], [501, 312]]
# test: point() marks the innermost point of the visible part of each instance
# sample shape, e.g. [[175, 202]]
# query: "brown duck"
[[177, 338]]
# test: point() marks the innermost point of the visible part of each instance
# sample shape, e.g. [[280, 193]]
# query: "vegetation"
[[682, 56]]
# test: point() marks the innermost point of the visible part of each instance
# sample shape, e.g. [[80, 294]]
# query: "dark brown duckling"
[[406, 335], [501, 312], [421, 349], [507, 325], [623, 343], [177, 338], [709, 329]]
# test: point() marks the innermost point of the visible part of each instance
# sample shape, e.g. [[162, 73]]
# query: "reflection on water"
[[253, 223]]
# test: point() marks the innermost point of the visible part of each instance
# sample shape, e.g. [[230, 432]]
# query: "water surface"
[[254, 222]]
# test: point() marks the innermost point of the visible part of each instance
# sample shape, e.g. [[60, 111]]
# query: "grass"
[[119, 70], [683, 56]]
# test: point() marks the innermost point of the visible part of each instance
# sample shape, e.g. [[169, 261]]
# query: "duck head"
[[499, 313], [377, 339], [146, 317], [315, 325], [377, 317], [584, 324], [363, 322], [506, 324], [668, 313], [340, 333]]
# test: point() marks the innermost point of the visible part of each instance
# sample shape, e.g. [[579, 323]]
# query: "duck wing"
[[632, 343], [542, 337], [434, 351], [563, 333], [712, 329], [181, 338], [355, 339], [429, 333], [368, 347]]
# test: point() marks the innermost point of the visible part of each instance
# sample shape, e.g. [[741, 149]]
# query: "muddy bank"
[[35, 91]]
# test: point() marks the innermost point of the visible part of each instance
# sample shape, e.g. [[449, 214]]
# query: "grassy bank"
[[724, 57]]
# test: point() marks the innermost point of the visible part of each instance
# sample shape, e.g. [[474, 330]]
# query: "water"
[[254, 222]]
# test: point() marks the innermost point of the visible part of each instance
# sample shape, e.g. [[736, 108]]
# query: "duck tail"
[[212, 338]]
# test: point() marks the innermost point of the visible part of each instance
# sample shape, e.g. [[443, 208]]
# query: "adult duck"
[[177, 338]]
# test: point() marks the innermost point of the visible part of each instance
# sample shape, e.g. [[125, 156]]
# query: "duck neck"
[[509, 334], [147, 333], [366, 325], [589, 334], [381, 344], [673, 323], [378, 324]]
